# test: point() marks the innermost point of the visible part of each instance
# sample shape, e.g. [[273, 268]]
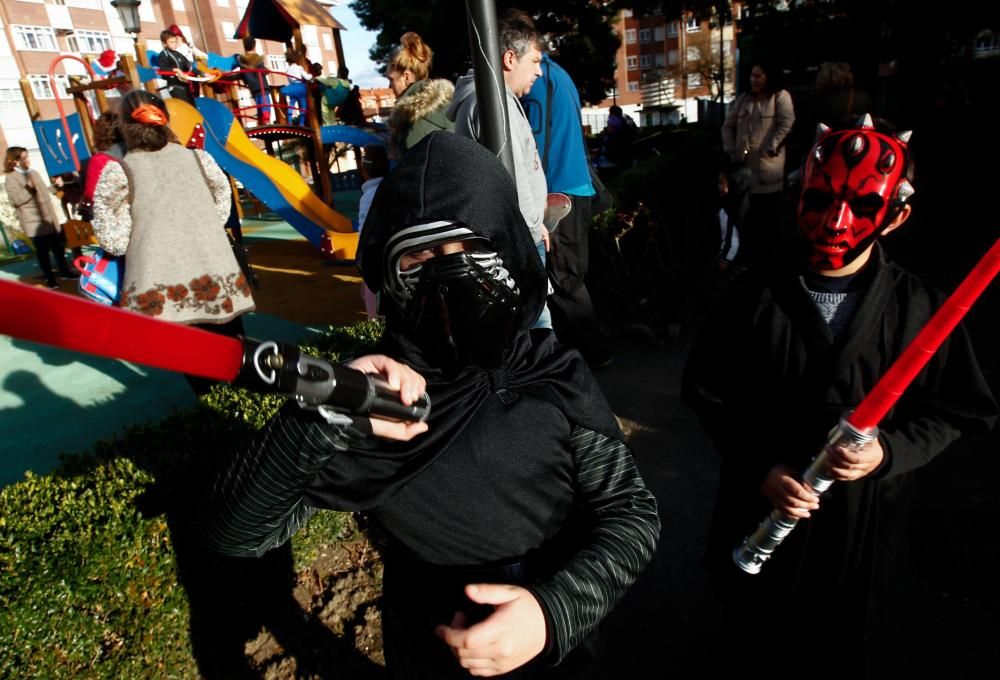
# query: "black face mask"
[[461, 316]]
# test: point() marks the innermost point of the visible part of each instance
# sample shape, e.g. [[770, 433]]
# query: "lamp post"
[[128, 12]]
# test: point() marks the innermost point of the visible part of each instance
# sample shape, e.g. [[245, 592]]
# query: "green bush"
[[90, 584]]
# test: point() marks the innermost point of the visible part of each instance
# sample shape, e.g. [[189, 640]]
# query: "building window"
[[626, 14], [632, 63], [89, 41], [222, 3], [693, 54], [276, 62], [672, 29], [82, 4], [694, 80], [327, 41], [693, 25], [42, 89], [388, 102], [10, 92], [645, 35], [633, 86], [331, 67], [370, 104], [37, 38], [178, 5], [228, 31], [672, 57], [658, 34], [646, 60], [661, 59], [629, 36], [986, 43]]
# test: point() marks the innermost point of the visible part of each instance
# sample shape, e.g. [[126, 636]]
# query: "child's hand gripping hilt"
[[277, 367]]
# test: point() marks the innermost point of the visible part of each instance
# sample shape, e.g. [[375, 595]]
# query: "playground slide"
[[275, 183]]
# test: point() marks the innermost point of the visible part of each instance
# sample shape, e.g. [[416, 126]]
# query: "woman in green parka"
[[421, 102]]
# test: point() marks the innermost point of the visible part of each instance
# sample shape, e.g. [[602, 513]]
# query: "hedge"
[[100, 560]]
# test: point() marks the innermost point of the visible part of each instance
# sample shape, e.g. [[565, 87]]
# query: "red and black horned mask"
[[854, 185]]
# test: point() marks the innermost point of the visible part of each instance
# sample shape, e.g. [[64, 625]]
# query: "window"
[[228, 31], [39, 38], [90, 41], [658, 33], [693, 54], [646, 60], [331, 67], [645, 35], [632, 63], [693, 25], [389, 102], [661, 59], [276, 62], [42, 89], [178, 5], [672, 29], [145, 12], [370, 104], [327, 41], [672, 57], [310, 36], [10, 92], [82, 4], [986, 43], [626, 14], [222, 3], [694, 80], [633, 86], [629, 36]]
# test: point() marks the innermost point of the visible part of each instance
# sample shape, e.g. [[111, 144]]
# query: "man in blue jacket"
[[553, 109]]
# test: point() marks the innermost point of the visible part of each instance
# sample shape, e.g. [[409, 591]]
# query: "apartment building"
[[666, 64], [35, 32]]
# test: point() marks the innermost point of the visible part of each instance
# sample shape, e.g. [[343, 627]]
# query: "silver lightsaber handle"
[[757, 548]]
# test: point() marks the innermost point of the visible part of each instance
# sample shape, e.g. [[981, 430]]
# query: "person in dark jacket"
[[788, 354], [515, 524]]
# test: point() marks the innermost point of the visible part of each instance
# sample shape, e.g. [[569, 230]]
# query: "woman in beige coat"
[[754, 135], [33, 202]]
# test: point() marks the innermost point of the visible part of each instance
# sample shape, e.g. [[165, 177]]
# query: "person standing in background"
[[33, 202], [754, 134], [552, 106]]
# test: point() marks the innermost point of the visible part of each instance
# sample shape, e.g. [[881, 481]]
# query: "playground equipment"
[[66, 142]]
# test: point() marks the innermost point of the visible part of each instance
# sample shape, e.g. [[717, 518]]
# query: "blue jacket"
[[566, 166]]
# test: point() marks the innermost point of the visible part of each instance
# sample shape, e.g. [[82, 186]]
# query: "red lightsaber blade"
[[80, 325], [860, 426]]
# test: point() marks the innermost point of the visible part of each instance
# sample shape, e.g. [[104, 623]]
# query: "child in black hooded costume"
[[522, 478]]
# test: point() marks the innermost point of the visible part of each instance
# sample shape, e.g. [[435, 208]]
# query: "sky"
[[357, 41]]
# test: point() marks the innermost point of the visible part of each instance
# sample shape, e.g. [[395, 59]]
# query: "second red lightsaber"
[[860, 426]]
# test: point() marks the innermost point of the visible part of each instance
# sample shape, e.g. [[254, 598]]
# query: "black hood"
[[449, 177]]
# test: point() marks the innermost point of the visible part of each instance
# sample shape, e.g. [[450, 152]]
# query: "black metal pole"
[[491, 91]]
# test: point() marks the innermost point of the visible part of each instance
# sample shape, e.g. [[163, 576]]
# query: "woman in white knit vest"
[[164, 207]]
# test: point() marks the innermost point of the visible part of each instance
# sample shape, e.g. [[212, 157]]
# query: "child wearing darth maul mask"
[[794, 347], [515, 523]]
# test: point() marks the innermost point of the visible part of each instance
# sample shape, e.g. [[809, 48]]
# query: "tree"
[[580, 31]]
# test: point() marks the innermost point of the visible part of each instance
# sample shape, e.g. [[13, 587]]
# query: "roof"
[[276, 19]]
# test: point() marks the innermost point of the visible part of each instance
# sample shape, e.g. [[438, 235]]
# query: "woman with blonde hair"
[[421, 102]]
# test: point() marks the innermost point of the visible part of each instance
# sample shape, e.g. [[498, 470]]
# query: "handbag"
[[101, 276], [602, 200]]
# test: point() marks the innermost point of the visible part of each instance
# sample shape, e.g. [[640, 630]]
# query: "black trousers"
[[51, 243], [573, 317]]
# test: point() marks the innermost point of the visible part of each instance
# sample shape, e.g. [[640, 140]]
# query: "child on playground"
[[794, 347], [296, 90]]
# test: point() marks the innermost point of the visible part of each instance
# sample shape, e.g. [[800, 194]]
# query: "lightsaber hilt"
[[278, 367], [758, 547]]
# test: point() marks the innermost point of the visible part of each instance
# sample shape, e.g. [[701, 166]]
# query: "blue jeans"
[[544, 319]]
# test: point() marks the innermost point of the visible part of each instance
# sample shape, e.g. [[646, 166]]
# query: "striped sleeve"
[[624, 529], [257, 502]]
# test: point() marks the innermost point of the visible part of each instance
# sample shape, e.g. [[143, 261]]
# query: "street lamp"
[[128, 12]]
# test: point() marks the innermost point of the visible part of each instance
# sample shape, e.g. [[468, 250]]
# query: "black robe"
[[769, 382]]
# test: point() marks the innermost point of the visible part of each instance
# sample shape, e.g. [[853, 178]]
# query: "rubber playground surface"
[[54, 400]]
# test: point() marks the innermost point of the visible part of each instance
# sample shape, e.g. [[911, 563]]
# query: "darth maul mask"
[[854, 185]]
